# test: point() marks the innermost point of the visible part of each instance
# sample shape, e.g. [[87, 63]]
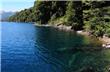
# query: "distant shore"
[[105, 40]]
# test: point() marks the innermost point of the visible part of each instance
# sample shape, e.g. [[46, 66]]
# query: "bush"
[[108, 30]]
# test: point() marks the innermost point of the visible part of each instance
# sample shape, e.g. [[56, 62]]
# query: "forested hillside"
[[91, 16]]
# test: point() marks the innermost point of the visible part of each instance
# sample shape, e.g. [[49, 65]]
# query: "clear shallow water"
[[26, 48]]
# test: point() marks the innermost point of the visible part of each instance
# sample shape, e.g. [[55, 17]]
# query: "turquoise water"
[[27, 48]]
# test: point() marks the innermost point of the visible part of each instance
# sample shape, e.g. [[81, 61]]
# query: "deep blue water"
[[27, 48]]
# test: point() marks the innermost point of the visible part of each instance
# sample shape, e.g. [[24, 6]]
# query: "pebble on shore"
[[106, 45]]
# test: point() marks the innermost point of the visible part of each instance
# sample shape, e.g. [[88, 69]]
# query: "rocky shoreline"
[[105, 40], [63, 27]]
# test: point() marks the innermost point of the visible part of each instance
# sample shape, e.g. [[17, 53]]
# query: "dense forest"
[[90, 16]]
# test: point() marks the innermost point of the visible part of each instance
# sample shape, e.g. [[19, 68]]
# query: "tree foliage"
[[96, 18], [92, 16]]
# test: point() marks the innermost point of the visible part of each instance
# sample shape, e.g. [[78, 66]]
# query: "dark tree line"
[[91, 16]]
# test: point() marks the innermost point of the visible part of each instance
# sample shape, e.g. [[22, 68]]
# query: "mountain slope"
[[5, 15]]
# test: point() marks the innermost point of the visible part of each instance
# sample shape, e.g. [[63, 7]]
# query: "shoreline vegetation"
[[85, 17], [104, 40]]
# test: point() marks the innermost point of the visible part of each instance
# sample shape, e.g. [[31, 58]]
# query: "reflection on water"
[[26, 48]]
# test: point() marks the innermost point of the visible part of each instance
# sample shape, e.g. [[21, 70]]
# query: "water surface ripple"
[[27, 48]]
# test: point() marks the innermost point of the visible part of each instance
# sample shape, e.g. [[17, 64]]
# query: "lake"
[[28, 48]]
